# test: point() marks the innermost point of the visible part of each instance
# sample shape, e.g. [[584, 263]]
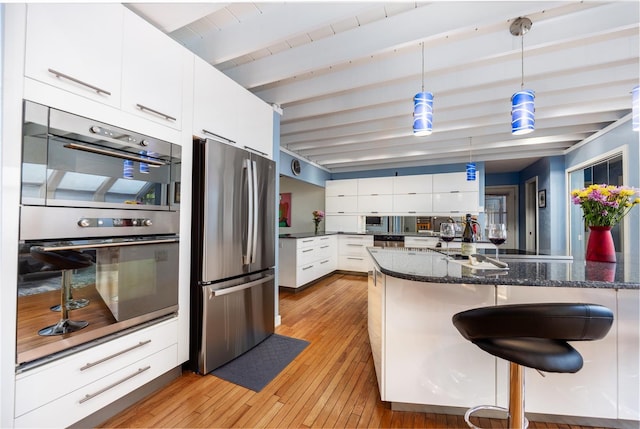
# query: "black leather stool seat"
[[535, 335], [62, 259]]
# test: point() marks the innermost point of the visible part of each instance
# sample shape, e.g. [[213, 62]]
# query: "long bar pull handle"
[[102, 245], [151, 162], [232, 289], [259, 152], [218, 137], [111, 386], [121, 352], [73, 79], [246, 258], [255, 212], [155, 112]]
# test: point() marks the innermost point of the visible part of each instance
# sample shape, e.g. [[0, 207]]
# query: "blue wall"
[[309, 173], [621, 135]]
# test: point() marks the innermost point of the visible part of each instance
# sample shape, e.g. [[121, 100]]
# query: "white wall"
[[305, 198]]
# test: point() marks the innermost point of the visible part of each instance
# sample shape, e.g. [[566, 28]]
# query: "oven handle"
[[151, 162], [102, 245]]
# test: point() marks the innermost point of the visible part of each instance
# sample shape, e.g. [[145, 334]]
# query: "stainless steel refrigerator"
[[233, 253]]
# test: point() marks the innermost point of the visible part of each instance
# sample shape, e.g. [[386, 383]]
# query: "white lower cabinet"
[[420, 242], [69, 389], [304, 260], [352, 252], [590, 392]]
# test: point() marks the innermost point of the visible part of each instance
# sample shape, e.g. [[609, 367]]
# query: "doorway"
[[531, 214], [501, 206]]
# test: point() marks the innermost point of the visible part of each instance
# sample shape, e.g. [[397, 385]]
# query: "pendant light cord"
[[522, 56], [470, 138], [422, 66]]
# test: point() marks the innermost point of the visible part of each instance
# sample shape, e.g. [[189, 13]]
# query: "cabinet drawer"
[[81, 402], [305, 274], [306, 255], [353, 263], [41, 385], [326, 250], [418, 242], [325, 266], [303, 243]]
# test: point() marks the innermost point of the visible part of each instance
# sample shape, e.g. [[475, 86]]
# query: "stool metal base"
[[72, 304], [64, 326], [467, 415]]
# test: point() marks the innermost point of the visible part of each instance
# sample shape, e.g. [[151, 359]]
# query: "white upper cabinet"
[[375, 186], [341, 188], [226, 112], [214, 115], [77, 47], [152, 73], [255, 122], [454, 182], [419, 184]]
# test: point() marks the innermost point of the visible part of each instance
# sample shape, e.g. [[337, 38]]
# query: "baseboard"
[[535, 417]]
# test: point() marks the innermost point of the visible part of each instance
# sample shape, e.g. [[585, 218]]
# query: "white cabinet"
[[418, 184], [67, 390], [412, 194], [375, 186], [352, 252], [453, 193], [152, 72], [225, 111], [454, 202], [343, 223], [375, 195], [420, 242], [446, 182], [375, 204], [76, 47], [304, 260], [341, 188], [406, 320], [341, 205], [590, 392]]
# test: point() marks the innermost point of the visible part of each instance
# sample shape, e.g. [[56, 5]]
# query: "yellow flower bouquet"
[[605, 205]]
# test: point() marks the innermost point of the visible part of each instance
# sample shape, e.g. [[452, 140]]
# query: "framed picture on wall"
[[284, 210], [542, 198]]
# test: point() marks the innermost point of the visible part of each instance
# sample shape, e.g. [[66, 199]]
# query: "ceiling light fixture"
[[522, 102], [471, 166], [635, 107], [423, 108]]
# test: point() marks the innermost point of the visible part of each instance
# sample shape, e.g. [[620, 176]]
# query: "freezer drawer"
[[235, 319]]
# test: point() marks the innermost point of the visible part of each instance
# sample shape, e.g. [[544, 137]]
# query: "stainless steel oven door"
[[130, 282], [71, 161]]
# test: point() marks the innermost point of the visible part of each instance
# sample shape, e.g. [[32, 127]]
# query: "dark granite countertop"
[[296, 235], [426, 265]]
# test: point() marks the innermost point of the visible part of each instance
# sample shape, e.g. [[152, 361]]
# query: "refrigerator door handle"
[[247, 257], [255, 211], [220, 292]]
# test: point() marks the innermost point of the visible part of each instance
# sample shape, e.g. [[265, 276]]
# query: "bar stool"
[[534, 336], [67, 261]]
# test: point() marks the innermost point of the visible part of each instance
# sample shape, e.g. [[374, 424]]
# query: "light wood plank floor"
[[331, 384]]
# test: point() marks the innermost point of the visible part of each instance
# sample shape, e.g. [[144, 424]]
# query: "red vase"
[[600, 245]]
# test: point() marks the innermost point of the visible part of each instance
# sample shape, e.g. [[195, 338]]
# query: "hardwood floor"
[[331, 384]]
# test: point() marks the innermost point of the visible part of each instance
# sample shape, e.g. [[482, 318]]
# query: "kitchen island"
[[423, 363]]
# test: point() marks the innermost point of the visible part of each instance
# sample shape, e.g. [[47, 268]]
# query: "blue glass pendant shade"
[[423, 114], [523, 112]]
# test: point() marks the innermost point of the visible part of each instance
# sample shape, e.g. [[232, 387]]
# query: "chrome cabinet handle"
[[354, 245], [101, 245], [307, 250], [306, 268], [150, 110], [76, 146], [121, 352], [358, 259], [218, 137], [111, 386], [73, 79]]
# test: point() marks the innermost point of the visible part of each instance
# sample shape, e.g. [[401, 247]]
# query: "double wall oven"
[[110, 198]]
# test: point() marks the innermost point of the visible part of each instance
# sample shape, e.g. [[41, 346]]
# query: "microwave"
[[373, 220]]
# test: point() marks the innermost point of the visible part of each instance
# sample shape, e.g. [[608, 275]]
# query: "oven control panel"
[[107, 222]]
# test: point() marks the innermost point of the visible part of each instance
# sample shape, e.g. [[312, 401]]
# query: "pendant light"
[[471, 167], [422, 108], [522, 102], [635, 107]]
